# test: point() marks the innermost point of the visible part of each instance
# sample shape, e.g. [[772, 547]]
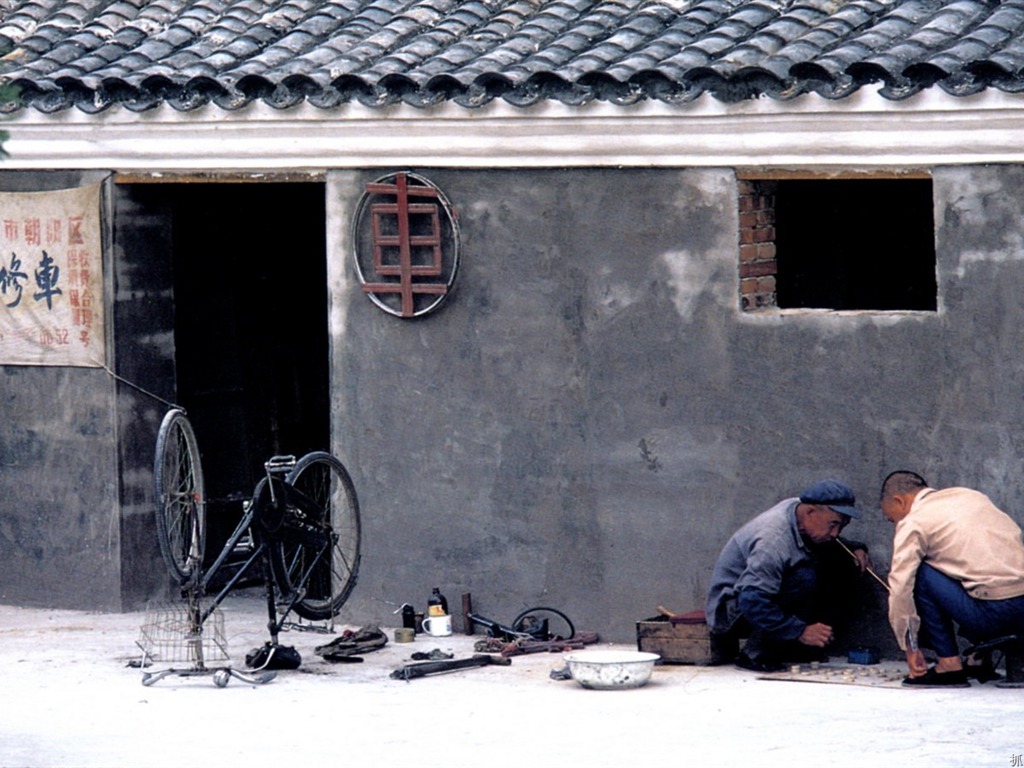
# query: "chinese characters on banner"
[[51, 278]]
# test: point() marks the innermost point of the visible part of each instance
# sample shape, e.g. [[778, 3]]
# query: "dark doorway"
[[251, 348]]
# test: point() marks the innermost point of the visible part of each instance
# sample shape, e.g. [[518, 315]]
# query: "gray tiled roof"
[[92, 54]]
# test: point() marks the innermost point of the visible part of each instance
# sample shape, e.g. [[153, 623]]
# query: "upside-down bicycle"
[[300, 531]]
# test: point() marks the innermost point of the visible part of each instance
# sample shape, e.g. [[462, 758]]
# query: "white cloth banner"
[[51, 278]]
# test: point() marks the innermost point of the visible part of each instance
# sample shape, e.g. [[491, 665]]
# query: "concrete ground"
[[70, 698]]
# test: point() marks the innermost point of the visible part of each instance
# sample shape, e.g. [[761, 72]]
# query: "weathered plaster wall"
[[145, 355], [59, 517], [590, 416], [76, 446], [961, 420], [583, 424]]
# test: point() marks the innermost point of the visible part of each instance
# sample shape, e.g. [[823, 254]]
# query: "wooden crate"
[[676, 643]]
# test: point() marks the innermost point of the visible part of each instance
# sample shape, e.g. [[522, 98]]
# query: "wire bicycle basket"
[[171, 634], [174, 634]]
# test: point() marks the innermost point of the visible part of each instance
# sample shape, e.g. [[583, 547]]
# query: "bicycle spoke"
[[179, 494], [323, 491]]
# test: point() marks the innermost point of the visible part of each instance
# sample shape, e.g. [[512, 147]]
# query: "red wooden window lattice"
[[385, 243]]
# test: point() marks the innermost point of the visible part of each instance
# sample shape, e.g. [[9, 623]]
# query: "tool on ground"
[[521, 646], [531, 624], [496, 629], [869, 569], [425, 668]]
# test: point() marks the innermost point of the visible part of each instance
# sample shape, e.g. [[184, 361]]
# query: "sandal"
[[933, 679]]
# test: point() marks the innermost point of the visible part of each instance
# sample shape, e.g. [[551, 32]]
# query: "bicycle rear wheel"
[[180, 496], [322, 478]]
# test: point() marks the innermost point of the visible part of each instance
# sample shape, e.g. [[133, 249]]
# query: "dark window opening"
[[842, 244]]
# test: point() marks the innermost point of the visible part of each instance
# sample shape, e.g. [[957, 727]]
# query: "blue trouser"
[[765, 616], [942, 600]]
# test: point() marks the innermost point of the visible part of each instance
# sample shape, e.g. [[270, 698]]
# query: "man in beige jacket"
[[956, 558]]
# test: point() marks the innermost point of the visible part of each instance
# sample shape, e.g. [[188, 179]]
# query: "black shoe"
[[760, 665], [933, 679]]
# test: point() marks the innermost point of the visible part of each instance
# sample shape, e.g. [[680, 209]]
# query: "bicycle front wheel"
[[329, 575], [180, 497]]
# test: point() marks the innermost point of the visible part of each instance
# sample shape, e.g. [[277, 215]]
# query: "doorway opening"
[[250, 330]]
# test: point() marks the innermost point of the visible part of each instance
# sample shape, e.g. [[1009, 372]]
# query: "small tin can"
[[405, 635]]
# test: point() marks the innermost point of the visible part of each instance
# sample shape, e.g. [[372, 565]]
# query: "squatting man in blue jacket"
[[773, 582]]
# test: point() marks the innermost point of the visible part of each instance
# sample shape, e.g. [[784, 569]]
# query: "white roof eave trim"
[[861, 131]]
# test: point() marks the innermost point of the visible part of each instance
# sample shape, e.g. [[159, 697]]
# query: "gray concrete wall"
[[583, 424], [76, 445], [590, 416], [60, 544]]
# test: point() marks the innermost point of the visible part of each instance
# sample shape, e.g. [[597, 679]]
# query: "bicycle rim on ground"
[[322, 478], [180, 496]]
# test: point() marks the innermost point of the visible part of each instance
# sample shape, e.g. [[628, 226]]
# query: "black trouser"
[[824, 590]]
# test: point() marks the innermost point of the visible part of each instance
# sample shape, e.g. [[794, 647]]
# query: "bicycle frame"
[[300, 527], [272, 493]]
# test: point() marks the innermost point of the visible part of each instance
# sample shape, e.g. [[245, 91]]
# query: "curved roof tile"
[[94, 54]]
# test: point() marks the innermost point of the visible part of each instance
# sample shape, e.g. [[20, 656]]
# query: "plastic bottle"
[[437, 605]]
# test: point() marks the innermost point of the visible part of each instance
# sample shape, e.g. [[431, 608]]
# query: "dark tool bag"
[[270, 656]]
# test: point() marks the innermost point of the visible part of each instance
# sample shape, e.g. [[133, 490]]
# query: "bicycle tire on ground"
[[323, 478], [179, 497]]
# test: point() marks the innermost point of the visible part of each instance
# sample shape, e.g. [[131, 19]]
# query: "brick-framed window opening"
[[758, 266], [841, 244]]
